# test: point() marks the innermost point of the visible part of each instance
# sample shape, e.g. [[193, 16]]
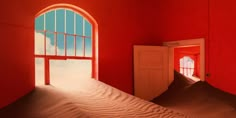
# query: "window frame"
[[94, 39]]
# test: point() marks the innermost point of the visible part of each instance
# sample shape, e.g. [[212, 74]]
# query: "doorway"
[[187, 62], [184, 44]]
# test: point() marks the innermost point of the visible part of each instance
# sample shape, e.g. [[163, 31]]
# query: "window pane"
[[69, 22], [60, 44], [192, 65], [79, 46], [87, 28], [185, 71], [39, 43], [88, 47], [79, 24], [70, 45], [188, 72], [181, 62], [70, 68], [185, 62], [39, 23], [39, 71], [191, 72], [181, 70], [189, 64], [50, 47], [50, 21], [60, 20]]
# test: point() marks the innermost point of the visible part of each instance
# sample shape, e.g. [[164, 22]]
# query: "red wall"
[[213, 20], [192, 52], [120, 25], [17, 61], [222, 44], [180, 19]]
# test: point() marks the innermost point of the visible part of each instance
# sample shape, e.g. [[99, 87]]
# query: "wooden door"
[[150, 71]]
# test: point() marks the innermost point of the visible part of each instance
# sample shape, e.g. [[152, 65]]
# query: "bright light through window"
[[187, 66], [63, 45]]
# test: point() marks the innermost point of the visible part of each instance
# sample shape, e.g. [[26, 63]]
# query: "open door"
[[150, 71]]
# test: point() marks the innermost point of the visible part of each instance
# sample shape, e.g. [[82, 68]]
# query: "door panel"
[[150, 71]]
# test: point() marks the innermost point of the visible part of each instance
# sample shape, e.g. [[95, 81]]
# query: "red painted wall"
[[222, 44], [16, 75], [213, 20], [192, 52], [197, 65], [16, 51], [120, 25], [180, 19]]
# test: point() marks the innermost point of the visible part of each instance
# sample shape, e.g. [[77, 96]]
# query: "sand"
[[85, 98], [197, 99]]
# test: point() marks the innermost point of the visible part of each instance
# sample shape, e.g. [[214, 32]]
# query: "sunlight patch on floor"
[[196, 79]]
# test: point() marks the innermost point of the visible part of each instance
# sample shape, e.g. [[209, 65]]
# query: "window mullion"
[[75, 44], [55, 42], [84, 46], [83, 27], [74, 23], [55, 30], [45, 43], [65, 21], [75, 32], [55, 19], [44, 31], [44, 20], [65, 44]]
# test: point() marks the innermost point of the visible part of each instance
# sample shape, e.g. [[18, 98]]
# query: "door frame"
[[186, 43]]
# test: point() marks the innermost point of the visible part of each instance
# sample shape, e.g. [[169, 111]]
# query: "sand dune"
[[197, 99], [86, 98]]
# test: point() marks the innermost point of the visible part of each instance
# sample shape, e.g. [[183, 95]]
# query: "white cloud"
[[60, 70], [50, 49]]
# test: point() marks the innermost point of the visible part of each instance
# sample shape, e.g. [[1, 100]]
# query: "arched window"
[[186, 66], [65, 32]]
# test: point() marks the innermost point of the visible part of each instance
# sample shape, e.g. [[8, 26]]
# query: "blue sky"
[[69, 29]]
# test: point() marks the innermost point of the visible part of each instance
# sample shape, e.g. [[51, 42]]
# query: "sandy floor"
[[198, 99], [93, 99], [85, 98]]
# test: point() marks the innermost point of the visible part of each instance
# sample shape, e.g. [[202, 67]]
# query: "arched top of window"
[[69, 23], [71, 7], [63, 20], [186, 62]]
